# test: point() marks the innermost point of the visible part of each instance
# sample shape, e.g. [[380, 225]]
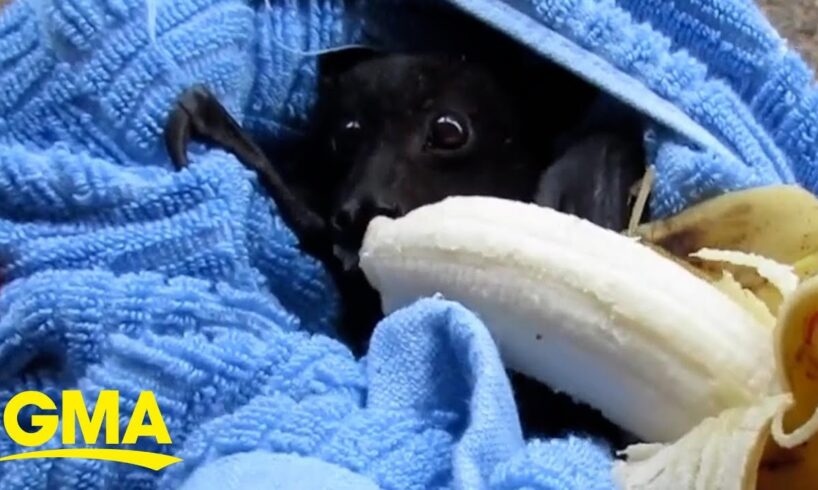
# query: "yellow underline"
[[153, 461]]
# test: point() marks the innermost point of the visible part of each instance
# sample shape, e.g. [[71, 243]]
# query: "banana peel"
[[768, 445], [749, 301], [779, 222], [772, 444], [791, 456]]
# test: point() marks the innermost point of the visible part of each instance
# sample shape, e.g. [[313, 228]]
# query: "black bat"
[[397, 131], [393, 132]]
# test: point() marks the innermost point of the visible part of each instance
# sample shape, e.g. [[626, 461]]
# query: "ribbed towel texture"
[[118, 273]]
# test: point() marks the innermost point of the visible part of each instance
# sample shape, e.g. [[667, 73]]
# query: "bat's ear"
[[334, 63], [549, 98]]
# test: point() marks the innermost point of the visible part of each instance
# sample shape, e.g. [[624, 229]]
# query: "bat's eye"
[[347, 136], [448, 132]]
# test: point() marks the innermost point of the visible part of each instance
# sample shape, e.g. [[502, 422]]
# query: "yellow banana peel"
[[778, 222], [768, 445]]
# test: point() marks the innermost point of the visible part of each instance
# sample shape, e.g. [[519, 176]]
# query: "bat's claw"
[[177, 136], [189, 120], [198, 115]]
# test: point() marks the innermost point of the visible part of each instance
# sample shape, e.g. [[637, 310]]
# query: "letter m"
[[75, 411]]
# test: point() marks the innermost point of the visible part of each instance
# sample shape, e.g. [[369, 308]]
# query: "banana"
[[588, 311], [769, 445], [779, 222]]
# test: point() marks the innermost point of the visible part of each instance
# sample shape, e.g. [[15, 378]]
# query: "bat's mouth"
[[346, 244], [348, 257]]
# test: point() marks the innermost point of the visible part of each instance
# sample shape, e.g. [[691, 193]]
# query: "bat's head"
[[406, 130]]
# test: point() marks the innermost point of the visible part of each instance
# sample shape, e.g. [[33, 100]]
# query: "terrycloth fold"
[[120, 273]]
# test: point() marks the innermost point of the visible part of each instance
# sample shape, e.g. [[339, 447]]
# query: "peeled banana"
[[588, 311]]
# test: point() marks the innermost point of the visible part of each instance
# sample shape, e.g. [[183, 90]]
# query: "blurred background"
[[797, 20]]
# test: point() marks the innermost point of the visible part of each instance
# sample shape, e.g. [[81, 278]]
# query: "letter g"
[[47, 423]]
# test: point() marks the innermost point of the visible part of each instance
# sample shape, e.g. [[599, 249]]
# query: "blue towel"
[[118, 273]]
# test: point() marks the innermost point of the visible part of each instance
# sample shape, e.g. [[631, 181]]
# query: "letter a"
[[146, 405]]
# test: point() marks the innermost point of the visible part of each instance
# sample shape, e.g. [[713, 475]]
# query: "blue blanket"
[[118, 273]]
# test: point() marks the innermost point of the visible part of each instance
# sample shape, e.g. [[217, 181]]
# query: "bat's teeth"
[[349, 260]]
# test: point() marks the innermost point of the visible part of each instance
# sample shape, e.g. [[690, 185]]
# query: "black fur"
[[376, 149]]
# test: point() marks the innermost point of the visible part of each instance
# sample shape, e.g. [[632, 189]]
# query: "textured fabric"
[[119, 273], [695, 76]]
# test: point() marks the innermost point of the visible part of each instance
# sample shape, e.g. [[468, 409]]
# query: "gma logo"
[[74, 413]]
